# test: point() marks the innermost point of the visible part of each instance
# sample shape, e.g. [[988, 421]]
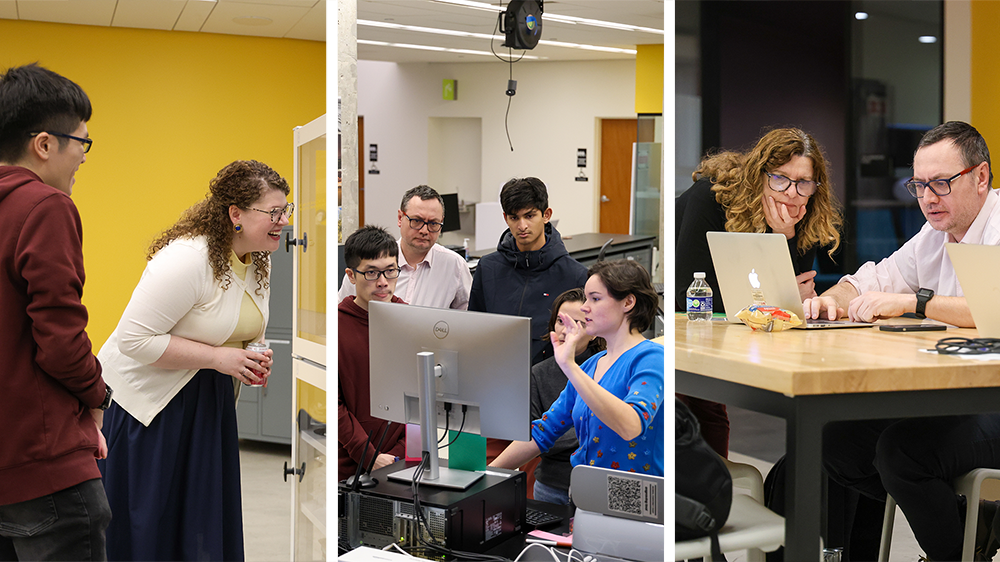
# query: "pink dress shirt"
[[923, 262], [441, 280]]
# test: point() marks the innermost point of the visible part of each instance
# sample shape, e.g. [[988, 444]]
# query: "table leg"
[[804, 487]]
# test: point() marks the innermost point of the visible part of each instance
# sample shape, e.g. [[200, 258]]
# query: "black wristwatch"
[[923, 295], [107, 399]]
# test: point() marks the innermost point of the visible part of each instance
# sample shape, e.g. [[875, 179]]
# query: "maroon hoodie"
[[354, 419], [50, 377]]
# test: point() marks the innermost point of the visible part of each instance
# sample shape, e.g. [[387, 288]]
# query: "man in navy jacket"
[[531, 266]]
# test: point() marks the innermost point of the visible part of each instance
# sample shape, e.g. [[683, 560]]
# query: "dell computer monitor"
[[452, 221], [484, 360]]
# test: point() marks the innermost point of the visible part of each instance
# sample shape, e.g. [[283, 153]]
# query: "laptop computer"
[[619, 515], [977, 269], [745, 262]]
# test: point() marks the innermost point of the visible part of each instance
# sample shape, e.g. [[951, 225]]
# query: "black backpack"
[[703, 485]]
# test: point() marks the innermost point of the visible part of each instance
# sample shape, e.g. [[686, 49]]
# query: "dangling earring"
[[238, 227]]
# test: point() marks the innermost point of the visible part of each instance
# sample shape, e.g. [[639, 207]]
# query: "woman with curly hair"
[[782, 185], [176, 361]]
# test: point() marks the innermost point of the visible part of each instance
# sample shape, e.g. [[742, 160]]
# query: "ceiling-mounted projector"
[[521, 24]]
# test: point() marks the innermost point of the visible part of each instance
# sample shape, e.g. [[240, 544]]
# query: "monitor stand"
[[447, 478], [434, 474]]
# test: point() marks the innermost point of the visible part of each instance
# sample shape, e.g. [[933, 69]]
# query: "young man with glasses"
[[915, 460], [370, 255], [430, 275], [52, 395]]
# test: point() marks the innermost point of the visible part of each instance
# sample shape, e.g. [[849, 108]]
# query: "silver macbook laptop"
[[978, 270], [748, 262]]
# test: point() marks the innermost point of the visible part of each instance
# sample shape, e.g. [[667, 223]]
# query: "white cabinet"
[[309, 416]]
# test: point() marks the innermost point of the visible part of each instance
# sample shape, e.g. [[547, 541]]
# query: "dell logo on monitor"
[[441, 330]]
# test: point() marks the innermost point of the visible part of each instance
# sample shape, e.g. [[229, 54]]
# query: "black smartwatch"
[[107, 399], [923, 295]]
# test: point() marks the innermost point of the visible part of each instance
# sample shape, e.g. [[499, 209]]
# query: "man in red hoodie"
[[52, 396], [371, 255]]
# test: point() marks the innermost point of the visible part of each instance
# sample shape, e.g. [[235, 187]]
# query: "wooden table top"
[[831, 361]]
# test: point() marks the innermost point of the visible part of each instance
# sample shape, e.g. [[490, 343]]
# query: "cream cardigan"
[[177, 295]]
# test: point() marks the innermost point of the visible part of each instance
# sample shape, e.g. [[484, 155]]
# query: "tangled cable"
[[967, 346]]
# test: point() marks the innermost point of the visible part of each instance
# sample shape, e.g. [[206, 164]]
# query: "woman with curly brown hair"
[[782, 185], [176, 361]]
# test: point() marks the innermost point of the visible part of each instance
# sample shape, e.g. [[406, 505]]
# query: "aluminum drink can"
[[258, 347]]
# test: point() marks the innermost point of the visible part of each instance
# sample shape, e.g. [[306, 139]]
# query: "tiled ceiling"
[[291, 19], [306, 19], [437, 15]]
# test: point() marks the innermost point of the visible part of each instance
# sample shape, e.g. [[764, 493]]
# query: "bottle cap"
[[699, 275]]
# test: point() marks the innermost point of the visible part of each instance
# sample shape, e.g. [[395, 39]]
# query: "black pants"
[[853, 521], [66, 525], [915, 461]]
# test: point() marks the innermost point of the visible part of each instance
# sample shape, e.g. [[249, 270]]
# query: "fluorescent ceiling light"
[[471, 4], [587, 47], [599, 23], [419, 47], [861, 15], [452, 33], [441, 49], [433, 30], [927, 39], [554, 17]]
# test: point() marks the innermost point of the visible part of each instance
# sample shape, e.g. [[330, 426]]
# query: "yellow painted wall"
[[985, 79], [170, 110], [649, 79]]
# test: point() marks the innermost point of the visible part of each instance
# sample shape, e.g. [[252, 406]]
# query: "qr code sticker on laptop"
[[623, 495], [632, 496]]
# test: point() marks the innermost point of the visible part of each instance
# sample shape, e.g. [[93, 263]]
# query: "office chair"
[[604, 249], [968, 485], [751, 526]]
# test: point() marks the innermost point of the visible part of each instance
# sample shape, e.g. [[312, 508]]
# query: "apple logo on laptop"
[[754, 281]]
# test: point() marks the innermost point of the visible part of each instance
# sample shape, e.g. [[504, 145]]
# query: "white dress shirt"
[[441, 280], [923, 262]]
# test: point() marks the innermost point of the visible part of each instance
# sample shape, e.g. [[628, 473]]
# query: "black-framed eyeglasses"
[[87, 143], [417, 224], [276, 212], [780, 183], [940, 187], [374, 274]]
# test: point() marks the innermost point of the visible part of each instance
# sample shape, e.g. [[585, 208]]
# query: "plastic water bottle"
[[699, 299]]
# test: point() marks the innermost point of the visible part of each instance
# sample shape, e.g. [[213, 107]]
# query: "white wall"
[[455, 156], [555, 112]]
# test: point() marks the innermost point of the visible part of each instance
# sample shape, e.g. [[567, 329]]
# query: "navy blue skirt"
[[174, 487]]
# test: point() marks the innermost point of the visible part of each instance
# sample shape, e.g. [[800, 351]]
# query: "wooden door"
[[617, 138]]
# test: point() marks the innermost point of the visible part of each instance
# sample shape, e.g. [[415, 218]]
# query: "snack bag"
[[768, 318]]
